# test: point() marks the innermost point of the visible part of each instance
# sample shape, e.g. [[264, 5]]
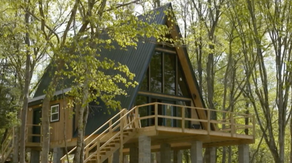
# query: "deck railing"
[[33, 133], [186, 117]]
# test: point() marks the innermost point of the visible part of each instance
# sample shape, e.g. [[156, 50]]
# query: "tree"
[[21, 47], [60, 29], [8, 96], [265, 38]]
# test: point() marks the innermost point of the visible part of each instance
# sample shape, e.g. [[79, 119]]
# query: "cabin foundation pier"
[[243, 153], [144, 149], [177, 156], [196, 152], [165, 153], [126, 158], [116, 156], [57, 154], [34, 156], [157, 157], [210, 155], [134, 153]]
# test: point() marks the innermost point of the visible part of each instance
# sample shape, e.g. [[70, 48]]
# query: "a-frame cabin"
[[165, 113]]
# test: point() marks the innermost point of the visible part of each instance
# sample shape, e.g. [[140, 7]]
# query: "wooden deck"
[[182, 139], [176, 125], [230, 130]]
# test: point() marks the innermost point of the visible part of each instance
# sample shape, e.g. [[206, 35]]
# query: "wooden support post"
[[232, 125], [86, 152], [110, 126], [124, 119], [183, 119], [156, 115], [253, 128], [136, 119], [208, 124], [121, 141], [98, 151]]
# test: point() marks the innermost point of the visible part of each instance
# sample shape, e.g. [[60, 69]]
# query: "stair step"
[[111, 145], [107, 148]]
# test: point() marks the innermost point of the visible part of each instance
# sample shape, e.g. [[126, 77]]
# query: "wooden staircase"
[[107, 149], [101, 144], [7, 146]]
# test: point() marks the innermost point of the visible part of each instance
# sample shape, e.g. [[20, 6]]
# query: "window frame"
[[146, 82], [55, 113]]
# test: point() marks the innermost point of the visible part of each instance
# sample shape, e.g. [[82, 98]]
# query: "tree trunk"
[[25, 95], [16, 145], [290, 140], [78, 158], [45, 142], [82, 114]]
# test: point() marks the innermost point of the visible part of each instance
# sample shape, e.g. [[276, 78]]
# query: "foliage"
[[248, 50]]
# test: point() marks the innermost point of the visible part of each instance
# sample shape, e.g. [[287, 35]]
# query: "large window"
[[169, 74], [55, 113], [156, 73], [165, 75]]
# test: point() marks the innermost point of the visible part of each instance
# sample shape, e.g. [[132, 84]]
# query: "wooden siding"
[[60, 130]]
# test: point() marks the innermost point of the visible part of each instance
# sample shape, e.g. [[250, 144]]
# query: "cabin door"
[[36, 129]]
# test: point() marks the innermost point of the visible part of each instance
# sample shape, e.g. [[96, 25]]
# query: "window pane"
[[169, 74], [156, 73], [143, 111], [182, 87], [54, 113], [54, 109], [55, 117], [144, 85]]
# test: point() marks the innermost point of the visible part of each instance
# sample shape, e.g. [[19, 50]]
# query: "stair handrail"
[[89, 136], [115, 135], [102, 133]]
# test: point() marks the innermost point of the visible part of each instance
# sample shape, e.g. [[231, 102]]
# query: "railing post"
[[110, 126], [208, 123], [125, 119], [253, 126], [136, 118], [121, 145], [156, 115], [122, 121], [13, 131], [183, 119], [232, 125], [41, 137], [86, 153], [98, 151]]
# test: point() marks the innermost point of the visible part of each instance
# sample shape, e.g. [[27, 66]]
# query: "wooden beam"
[[164, 96], [165, 50]]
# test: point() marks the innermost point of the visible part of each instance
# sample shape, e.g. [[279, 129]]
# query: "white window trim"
[[58, 113]]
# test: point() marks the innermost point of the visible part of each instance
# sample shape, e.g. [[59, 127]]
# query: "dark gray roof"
[[136, 58]]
